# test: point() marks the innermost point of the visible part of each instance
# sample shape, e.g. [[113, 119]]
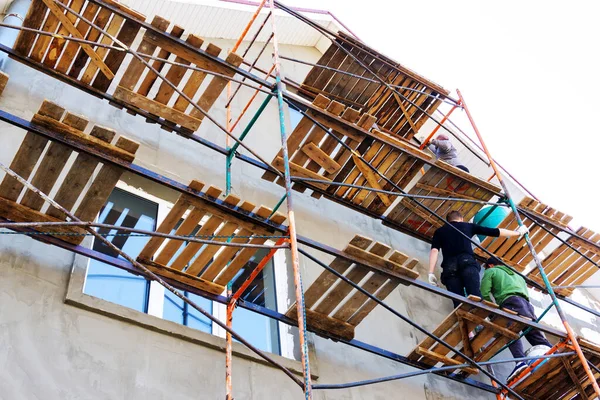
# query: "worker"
[[510, 292], [460, 270], [444, 150]]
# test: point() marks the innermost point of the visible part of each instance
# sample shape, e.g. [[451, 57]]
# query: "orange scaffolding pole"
[[438, 126], [247, 28]]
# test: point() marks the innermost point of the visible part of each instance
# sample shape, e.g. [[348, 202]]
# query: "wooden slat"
[[33, 19], [78, 176], [327, 324], [182, 277], [96, 59], [187, 227], [52, 165], [156, 108], [81, 58], [57, 44], [383, 264], [194, 81], [444, 360], [488, 324], [136, 67], [297, 170], [151, 77], [566, 363], [41, 44], [215, 87], [176, 73], [18, 213], [372, 179], [103, 184], [71, 48], [112, 30], [115, 58], [321, 158]]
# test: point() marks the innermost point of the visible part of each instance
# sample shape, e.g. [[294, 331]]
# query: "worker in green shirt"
[[510, 292]]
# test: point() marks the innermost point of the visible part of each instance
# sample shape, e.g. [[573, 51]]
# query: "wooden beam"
[[372, 179], [320, 157], [385, 265], [68, 25], [488, 324], [444, 192], [325, 323], [406, 115], [182, 277], [573, 376], [297, 170], [154, 107], [444, 360], [464, 332]]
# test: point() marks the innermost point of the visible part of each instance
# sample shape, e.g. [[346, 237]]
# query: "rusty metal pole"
[[570, 333], [300, 308]]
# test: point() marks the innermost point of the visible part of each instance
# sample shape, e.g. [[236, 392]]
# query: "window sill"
[[77, 298]]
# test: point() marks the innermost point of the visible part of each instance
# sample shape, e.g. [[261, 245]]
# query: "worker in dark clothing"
[[510, 291], [460, 270]]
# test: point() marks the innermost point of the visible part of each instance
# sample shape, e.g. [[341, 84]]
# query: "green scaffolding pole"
[[235, 146]]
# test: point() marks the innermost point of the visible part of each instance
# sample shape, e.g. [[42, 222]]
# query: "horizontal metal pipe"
[[439, 369], [191, 238]]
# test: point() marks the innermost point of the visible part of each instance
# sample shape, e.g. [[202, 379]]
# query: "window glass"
[[111, 283], [261, 331], [176, 310]]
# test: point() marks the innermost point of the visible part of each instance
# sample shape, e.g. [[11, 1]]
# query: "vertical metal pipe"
[[538, 263], [227, 141], [247, 28], [300, 308], [229, 345]]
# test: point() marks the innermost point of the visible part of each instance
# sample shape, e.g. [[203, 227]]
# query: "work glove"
[[433, 280], [522, 230]]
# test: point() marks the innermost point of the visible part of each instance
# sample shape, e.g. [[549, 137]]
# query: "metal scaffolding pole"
[[571, 334], [299, 291]]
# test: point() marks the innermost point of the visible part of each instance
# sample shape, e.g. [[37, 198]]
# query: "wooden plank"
[[41, 44], [112, 30], [103, 184], [58, 43], [94, 57], [75, 136], [215, 87], [115, 58], [574, 378], [150, 78], [78, 176], [18, 213], [194, 81], [136, 67], [488, 324], [383, 265], [372, 179], [3, 81], [33, 19], [156, 108], [71, 47], [324, 323], [22, 164], [321, 158], [444, 360], [93, 34], [297, 170], [186, 228], [52, 165], [444, 192], [179, 208], [176, 73], [464, 333], [182, 277], [421, 213]]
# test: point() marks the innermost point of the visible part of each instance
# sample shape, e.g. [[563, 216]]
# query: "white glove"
[[433, 280], [522, 230]]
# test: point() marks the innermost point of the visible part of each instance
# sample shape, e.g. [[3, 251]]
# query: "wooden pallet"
[[42, 162], [207, 267], [394, 114], [334, 307], [560, 378], [138, 87], [496, 332], [514, 252], [566, 267], [442, 180]]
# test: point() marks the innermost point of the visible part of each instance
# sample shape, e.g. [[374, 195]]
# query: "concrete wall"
[[88, 349]]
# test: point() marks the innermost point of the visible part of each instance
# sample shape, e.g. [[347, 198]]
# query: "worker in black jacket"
[[460, 270]]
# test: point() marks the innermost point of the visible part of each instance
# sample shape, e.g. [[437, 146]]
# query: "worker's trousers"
[[464, 282], [534, 336]]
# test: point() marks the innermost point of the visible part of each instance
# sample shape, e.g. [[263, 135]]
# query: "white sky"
[[528, 71]]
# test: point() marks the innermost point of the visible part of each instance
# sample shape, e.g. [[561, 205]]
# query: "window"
[[108, 282], [118, 286]]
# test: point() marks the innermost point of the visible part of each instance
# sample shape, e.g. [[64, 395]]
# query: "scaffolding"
[[354, 145]]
